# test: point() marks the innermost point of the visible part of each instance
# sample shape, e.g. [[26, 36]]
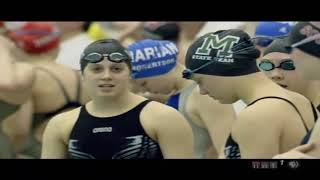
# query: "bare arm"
[[53, 146], [16, 78], [6, 64], [13, 75], [300, 152], [17, 126], [175, 137], [174, 134]]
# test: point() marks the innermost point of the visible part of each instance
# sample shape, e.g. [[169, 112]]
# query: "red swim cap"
[[35, 37]]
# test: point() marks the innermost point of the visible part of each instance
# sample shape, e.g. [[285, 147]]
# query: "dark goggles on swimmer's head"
[[267, 65], [188, 73], [97, 57], [302, 42]]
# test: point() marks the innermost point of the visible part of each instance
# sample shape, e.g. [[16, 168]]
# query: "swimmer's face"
[[286, 78], [216, 87], [307, 65], [106, 78], [163, 84]]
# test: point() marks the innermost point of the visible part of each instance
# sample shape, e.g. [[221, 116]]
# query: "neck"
[[312, 92], [254, 86], [181, 83], [110, 105]]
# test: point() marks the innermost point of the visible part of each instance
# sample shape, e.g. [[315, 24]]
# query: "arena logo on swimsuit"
[[224, 46], [102, 129], [154, 52]]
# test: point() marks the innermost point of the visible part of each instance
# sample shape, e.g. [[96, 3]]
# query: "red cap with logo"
[[34, 37]]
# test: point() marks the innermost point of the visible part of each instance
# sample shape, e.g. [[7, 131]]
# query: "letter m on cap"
[[223, 45]]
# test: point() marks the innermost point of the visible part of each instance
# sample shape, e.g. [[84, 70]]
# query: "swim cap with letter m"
[[223, 53]]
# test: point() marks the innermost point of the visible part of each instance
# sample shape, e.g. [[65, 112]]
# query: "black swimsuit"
[[116, 137]]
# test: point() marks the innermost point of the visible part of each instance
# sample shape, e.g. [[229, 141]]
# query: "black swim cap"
[[223, 53], [105, 46]]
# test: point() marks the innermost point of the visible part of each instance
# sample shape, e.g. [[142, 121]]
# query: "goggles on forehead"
[[97, 57]]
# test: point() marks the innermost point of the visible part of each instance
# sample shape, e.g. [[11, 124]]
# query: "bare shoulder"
[[296, 97], [159, 110], [259, 118], [270, 107], [64, 122], [156, 117], [267, 112], [67, 116]]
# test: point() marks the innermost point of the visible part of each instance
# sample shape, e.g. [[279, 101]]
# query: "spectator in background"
[[74, 39], [76, 35]]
